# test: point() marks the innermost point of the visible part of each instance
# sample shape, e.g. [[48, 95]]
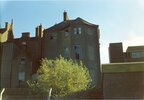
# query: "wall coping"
[[123, 67]]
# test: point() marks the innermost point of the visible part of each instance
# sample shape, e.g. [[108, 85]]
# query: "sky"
[[118, 20]]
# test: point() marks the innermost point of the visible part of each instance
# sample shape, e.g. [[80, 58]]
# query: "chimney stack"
[[65, 16], [6, 25], [39, 31], [25, 34]]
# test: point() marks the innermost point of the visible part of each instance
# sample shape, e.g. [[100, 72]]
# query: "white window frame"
[[77, 30]]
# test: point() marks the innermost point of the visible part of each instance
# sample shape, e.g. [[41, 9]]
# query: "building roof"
[[64, 24], [135, 48]]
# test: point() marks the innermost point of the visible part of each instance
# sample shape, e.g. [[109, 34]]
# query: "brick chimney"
[[39, 31], [25, 34], [65, 16]]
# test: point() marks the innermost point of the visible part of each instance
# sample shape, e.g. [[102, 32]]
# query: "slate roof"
[[64, 24]]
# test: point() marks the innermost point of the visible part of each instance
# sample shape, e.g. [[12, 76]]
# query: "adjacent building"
[[132, 54], [20, 59], [76, 39]]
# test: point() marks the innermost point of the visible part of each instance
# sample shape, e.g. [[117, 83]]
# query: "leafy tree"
[[62, 75]]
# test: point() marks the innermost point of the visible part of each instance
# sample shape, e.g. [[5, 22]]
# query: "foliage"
[[62, 75]]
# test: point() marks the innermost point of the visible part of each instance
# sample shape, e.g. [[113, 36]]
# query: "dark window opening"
[[77, 52], [51, 37]]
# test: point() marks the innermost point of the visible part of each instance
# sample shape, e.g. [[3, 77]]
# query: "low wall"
[[24, 94], [21, 94], [123, 80]]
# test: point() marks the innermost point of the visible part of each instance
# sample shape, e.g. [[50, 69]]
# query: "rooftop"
[[135, 48]]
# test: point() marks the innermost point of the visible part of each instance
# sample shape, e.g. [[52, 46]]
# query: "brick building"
[[132, 54], [76, 39]]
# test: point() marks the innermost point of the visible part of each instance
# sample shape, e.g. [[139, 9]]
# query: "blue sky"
[[119, 20]]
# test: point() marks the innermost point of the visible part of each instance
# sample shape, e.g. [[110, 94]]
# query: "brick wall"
[[123, 81]]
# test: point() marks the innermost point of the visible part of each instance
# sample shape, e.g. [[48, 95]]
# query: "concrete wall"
[[123, 80]]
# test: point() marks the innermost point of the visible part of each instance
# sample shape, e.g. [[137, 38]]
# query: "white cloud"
[[133, 40], [141, 3]]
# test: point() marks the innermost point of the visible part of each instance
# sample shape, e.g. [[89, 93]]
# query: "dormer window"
[[77, 30]]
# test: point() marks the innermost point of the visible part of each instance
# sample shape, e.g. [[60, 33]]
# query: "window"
[[66, 33], [135, 55], [53, 36], [21, 73], [66, 53], [24, 45], [77, 52], [77, 30], [139, 54], [23, 61]]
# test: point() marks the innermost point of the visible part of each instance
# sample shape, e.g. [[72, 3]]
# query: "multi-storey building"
[[20, 58], [135, 53], [76, 39], [132, 54]]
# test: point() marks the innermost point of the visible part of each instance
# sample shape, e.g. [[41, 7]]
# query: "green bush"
[[62, 75]]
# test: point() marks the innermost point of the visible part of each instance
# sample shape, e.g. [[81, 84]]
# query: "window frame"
[[77, 30]]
